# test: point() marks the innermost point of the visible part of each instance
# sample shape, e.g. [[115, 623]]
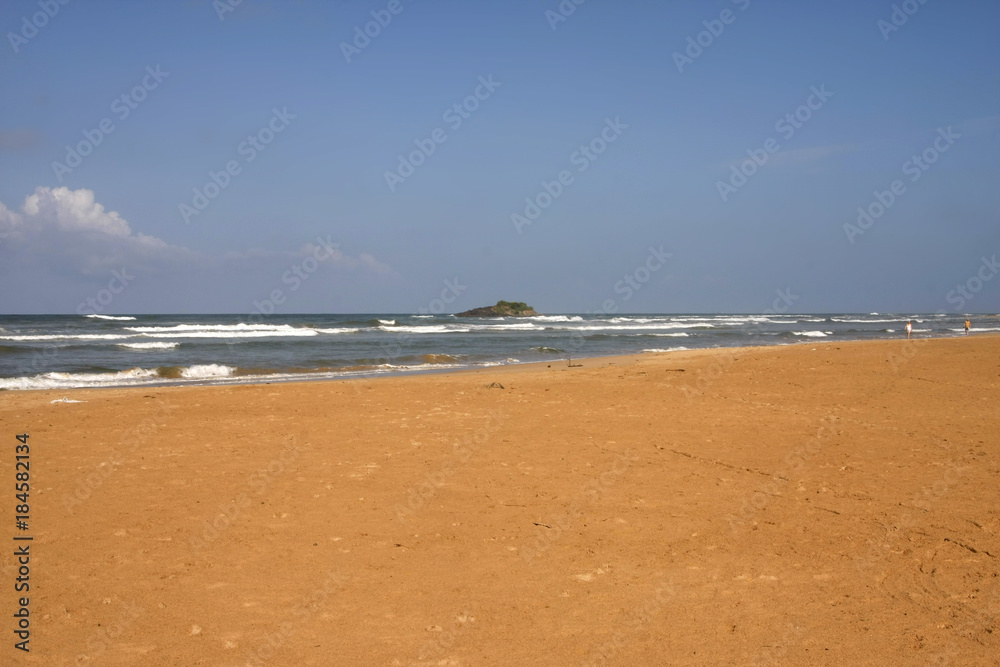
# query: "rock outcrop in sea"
[[502, 309]]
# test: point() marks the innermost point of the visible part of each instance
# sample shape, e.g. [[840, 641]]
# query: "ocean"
[[66, 351]]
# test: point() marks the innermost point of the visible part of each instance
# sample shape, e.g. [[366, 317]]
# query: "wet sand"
[[821, 504]]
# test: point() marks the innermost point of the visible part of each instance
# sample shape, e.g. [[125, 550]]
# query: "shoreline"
[[364, 375]]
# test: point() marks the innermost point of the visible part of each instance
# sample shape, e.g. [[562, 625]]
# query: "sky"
[[376, 156]]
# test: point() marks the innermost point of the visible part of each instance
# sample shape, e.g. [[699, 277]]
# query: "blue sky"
[[889, 94]]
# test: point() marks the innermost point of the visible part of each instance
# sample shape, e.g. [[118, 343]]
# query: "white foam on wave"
[[812, 334], [132, 376], [856, 321], [726, 319], [382, 368], [234, 334], [388, 323], [28, 337], [520, 326], [123, 318], [645, 327], [669, 349], [678, 334], [638, 320], [71, 380], [204, 371], [341, 330], [428, 329], [223, 331], [490, 364], [754, 319], [555, 318], [277, 328], [148, 346]]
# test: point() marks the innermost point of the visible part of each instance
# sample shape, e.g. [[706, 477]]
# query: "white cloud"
[[69, 232], [73, 210]]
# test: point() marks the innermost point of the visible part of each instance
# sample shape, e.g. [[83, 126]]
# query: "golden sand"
[[820, 504]]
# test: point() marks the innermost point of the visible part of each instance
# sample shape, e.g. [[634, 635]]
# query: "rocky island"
[[502, 309]]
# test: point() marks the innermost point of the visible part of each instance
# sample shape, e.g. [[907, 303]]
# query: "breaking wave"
[[123, 318]]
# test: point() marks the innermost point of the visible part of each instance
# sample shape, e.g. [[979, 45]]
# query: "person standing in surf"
[[968, 325], [909, 329]]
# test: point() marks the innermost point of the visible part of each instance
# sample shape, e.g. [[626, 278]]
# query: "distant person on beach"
[[909, 329], [968, 325]]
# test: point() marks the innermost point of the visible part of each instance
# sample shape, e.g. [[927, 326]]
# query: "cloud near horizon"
[[68, 231]]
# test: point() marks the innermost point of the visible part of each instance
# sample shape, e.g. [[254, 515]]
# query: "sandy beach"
[[821, 504]]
